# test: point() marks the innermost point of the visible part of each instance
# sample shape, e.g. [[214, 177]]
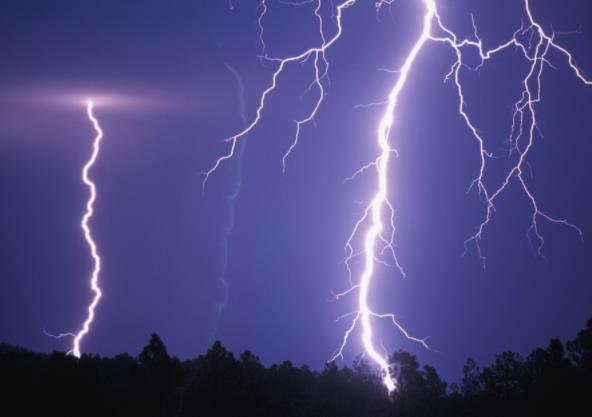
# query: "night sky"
[[167, 100]]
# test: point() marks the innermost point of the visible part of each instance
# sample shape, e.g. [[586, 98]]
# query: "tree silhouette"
[[154, 353], [471, 381], [554, 380]]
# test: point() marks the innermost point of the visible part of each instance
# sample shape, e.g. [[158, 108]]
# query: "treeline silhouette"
[[556, 380]]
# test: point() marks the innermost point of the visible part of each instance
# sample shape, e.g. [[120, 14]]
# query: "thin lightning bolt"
[[59, 335], [378, 217], [524, 108], [94, 281]]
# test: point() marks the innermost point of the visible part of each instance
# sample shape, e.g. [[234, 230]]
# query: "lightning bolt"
[[377, 224], [94, 279]]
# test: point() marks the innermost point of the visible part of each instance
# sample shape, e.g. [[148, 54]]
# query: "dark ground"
[[556, 380]]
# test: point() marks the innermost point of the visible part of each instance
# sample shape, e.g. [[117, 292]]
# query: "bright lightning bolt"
[[378, 218], [94, 280], [375, 210]]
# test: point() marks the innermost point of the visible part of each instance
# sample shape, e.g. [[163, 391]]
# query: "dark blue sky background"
[[159, 236]]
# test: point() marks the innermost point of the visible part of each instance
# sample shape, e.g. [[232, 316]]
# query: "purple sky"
[[168, 101]]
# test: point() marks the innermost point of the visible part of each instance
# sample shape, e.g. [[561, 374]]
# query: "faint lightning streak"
[[263, 7], [231, 198], [59, 335], [94, 282]]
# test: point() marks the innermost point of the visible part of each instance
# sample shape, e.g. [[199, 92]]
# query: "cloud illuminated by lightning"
[[377, 224]]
